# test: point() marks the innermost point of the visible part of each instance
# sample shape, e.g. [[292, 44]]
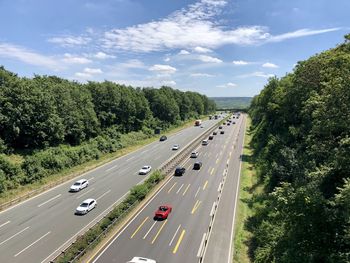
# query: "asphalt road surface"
[[191, 196], [36, 230]]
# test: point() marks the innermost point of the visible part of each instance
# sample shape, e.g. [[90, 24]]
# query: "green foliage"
[[302, 149]]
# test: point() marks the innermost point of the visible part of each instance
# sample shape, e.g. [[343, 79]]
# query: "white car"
[[194, 154], [141, 260], [86, 206], [78, 185], [175, 147], [145, 170]]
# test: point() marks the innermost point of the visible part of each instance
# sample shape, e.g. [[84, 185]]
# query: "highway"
[[36, 230], [192, 197]]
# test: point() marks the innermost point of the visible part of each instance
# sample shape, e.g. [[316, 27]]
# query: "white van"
[[205, 142]]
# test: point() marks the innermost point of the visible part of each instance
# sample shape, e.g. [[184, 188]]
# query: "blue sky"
[[215, 47]]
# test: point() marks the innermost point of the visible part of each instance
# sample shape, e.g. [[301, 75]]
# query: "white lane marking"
[[197, 192], [130, 158], [32, 244], [114, 166], [85, 193], [14, 235], [103, 195], [144, 237], [5, 223], [200, 249], [144, 151], [91, 178], [179, 189], [177, 230], [53, 198], [155, 159]]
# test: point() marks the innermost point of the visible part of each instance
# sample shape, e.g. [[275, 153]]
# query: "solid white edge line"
[[103, 195], [177, 230], [24, 249], [53, 198], [229, 260], [13, 235]]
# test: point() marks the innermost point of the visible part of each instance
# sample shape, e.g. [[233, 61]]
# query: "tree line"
[[56, 123], [302, 151]]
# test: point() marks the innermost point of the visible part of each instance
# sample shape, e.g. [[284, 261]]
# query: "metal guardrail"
[[166, 168]]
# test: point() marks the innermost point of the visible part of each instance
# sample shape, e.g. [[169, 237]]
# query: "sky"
[[220, 48]]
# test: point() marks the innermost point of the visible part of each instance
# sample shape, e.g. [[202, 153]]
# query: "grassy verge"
[[66, 174], [248, 187]]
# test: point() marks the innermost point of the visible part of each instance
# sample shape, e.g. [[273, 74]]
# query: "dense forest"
[[238, 103], [55, 123], [302, 151]]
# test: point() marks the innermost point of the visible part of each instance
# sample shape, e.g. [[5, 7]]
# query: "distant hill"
[[232, 102]]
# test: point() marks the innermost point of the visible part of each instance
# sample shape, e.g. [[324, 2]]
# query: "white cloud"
[[202, 50], [269, 65], [240, 62], [74, 59], [28, 56], [184, 52], [227, 85], [201, 75], [163, 69], [69, 41], [133, 63], [256, 74], [210, 59], [301, 33], [102, 55], [166, 59], [168, 83], [83, 75], [93, 70]]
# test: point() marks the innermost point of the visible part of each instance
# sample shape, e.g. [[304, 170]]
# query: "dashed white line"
[[144, 237], [130, 158], [103, 194], [5, 223], [14, 235], [53, 198], [115, 166], [197, 192], [85, 193], [180, 188], [177, 230], [32, 244]]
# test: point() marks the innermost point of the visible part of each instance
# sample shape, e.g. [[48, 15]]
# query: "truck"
[[198, 122]]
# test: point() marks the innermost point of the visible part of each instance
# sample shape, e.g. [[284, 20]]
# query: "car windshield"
[[145, 167], [76, 183], [84, 205], [163, 208]]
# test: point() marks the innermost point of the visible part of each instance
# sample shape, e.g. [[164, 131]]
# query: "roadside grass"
[[249, 187], [67, 174]]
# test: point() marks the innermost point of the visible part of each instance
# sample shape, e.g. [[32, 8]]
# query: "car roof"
[[145, 166], [140, 260], [88, 200], [81, 180]]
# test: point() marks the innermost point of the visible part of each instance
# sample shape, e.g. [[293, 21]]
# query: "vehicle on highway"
[[194, 154], [162, 212], [86, 206], [233, 122], [205, 142], [175, 147], [198, 123], [202, 126], [215, 132], [163, 138], [79, 185], [141, 260], [197, 165], [179, 171], [211, 137], [222, 132], [220, 127], [228, 124], [145, 169]]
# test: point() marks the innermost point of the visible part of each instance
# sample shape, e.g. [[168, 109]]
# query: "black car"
[[180, 171], [220, 127], [215, 132], [222, 132], [211, 137], [197, 165], [163, 138]]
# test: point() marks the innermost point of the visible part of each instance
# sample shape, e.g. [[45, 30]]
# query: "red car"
[[163, 212]]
